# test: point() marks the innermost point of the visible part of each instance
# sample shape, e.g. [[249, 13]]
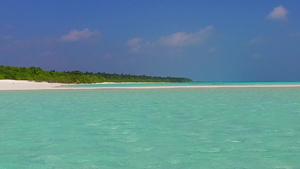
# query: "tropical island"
[[39, 75]]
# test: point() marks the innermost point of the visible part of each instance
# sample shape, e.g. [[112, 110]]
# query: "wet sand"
[[7, 85]]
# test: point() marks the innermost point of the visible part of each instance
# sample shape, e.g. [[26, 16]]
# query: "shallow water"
[[179, 84], [157, 128]]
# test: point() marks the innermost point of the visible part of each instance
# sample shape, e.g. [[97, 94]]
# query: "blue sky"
[[205, 40]]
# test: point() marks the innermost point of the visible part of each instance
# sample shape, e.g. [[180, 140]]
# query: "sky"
[[205, 40]]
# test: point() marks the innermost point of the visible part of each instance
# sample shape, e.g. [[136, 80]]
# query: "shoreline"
[[8, 85], [15, 85]]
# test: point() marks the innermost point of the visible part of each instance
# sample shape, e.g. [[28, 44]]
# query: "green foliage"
[[38, 74]]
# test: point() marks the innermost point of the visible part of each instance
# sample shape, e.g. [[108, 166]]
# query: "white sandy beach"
[[27, 85], [6, 85]]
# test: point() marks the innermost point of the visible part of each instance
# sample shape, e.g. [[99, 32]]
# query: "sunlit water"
[[228, 128]]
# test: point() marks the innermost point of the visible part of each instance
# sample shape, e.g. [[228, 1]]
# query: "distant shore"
[[10, 85]]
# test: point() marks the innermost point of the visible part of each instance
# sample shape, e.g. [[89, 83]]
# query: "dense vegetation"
[[38, 74]]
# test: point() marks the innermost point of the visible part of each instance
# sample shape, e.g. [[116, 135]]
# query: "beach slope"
[[27, 85]]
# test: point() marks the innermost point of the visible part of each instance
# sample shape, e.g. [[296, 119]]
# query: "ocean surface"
[[180, 84], [207, 128]]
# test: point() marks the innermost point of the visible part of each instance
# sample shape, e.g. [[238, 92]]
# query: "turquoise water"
[[179, 84], [242, 128]]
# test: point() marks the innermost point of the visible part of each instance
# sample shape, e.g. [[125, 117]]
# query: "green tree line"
[[39, 75]]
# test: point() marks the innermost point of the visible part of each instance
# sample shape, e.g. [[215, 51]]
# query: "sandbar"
[[9, 85]]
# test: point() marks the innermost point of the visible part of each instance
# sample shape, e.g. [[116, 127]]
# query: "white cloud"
[[135, 44], [76, 35], [49, 42], [256, 41], [185, 39], [212, 50], [278, 13], [179, 39]]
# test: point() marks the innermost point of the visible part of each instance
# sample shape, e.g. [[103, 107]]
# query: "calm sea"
[[222, 128]]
